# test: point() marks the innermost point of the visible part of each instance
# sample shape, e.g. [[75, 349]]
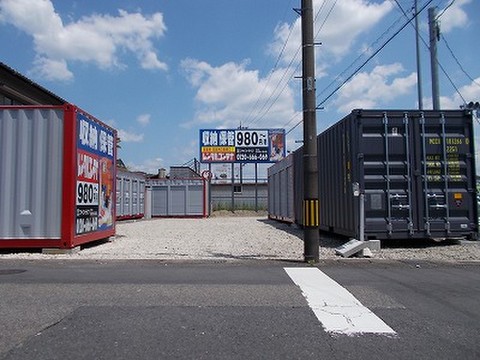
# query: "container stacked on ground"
[[414, 169], [57, 177]]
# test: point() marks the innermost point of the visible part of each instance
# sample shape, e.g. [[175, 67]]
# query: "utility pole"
[[419, 67], [310, 165], [434, 37]]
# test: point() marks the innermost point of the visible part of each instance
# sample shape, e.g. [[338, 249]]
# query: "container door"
[[119, 197], [142, 197], [126, 196], [195, 200], [160, 200], [178, 195], [387, 163], [135, 197], [447, 172]]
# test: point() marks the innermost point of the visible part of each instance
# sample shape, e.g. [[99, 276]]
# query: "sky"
[[160, 70]]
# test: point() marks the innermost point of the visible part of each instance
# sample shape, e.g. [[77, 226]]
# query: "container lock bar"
[[445, 172], [387, 176]]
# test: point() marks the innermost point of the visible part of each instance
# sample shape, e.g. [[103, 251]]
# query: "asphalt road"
[[230, 310]]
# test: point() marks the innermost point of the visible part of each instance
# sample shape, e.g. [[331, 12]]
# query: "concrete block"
[[374, 245], [350, 248], [57, 251]]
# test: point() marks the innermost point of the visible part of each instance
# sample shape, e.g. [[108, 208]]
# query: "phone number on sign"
[[252, 157]]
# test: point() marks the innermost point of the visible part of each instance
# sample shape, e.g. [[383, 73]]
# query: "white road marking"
[[337, 309]]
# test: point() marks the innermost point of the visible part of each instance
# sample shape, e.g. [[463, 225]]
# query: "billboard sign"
[[95, 176], [242, 145]]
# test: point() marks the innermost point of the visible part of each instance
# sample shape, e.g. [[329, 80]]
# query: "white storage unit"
[[178, 197], [130, 195]]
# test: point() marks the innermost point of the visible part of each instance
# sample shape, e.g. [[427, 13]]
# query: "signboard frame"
[[242, 145], [94, 199]]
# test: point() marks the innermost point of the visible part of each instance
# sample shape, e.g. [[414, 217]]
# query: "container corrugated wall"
[[178, 197], [31, 148], [57, 170], [281, 190], [130, 195], [416, 170]]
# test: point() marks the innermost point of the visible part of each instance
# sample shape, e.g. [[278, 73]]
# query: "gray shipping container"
[[415, 170], [130, 195], [57, 177]]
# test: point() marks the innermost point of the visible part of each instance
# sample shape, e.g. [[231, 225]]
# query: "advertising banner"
[[242, 145], [95, 176]]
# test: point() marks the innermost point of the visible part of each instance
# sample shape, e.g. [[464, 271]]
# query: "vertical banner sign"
[[95, 176], [242, 145]]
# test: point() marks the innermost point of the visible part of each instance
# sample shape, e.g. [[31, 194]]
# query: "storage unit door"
[[178, 204], [386, 145], [447, 177], [134, 197], [195, 204], [160, 201]]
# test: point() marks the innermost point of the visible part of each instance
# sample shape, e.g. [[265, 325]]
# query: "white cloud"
[[368, 90], [127, 136], [150, 166], [454, 17], [470, 92], [144, 119], [346, 22], [231, 94], [52, 70], [97, 38]]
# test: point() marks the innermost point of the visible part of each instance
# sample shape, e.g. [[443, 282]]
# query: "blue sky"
[[160, 70]]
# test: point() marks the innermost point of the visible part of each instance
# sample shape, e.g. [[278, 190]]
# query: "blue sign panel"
[[95, 176]]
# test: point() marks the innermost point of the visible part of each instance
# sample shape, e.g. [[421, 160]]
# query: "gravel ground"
[[240, 237]]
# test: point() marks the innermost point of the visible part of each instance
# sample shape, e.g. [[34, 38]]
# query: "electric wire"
[[458, 62], [326, 18], [364, 53], [438, 62], [298, 113], [266, 108], [444, 10], [372, 55], [249, 118], [364, 63]]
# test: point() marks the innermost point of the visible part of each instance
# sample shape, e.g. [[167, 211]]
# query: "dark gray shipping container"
[[415, 170]]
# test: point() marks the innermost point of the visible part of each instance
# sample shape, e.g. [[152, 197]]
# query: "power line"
[[446, 8], [265, 105], [316, 35], [438, 62], [326, 17], [271, 71], [359, 57], [373, 55], [266, 108], [458, 62], [366, 61], [251, 119]]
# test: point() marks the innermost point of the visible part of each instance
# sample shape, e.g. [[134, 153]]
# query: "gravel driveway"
[[236, 237]]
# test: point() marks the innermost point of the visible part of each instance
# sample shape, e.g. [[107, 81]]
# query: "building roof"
[[26, 91]]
